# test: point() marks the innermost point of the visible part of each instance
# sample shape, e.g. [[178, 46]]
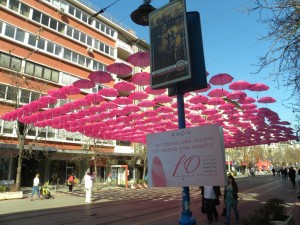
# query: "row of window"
[[9, 127], [81, 15], [48, 46], [62, 28]]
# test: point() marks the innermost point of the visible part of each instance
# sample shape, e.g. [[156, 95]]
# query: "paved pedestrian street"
[[141, 206]]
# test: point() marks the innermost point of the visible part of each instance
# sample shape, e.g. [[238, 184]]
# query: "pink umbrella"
[[221, 79], [246, 100], [148, 90], [109, 105], [124, 86], [100, 77], [138, 95], [258, 87], [215, 101], [146, 103], [84, 84], [226, 106], [94, 98], [239, 85], [131, 108], [236, 95], [119, 68], [209, 111], [163, 99], [266, 100], [164, 109], [218, 92], [108, 92], [70, 90], [198, 99], [57, 94], [197, 107], [48, 99], [140, 59], [142, 78], [248, 106], [81, 102], [123, 101]]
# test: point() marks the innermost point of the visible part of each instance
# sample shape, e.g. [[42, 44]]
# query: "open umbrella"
[[198, 99], [142, 78], [100, 77], [108, 92], [236, 95], [94, 98], [148, 90], [147, 103], [123, 101], [57, 94], [218, 92], [84, 84], [140, 59], [70, 90], [221, 79], [119, 68], [258, 87], [239, 85], [124, 86], [138, 95], [266, 100]]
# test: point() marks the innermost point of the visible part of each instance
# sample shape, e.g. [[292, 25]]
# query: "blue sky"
[[230, 39]]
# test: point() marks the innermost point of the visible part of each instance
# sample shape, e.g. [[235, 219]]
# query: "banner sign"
[[186, 157], [169, 45]]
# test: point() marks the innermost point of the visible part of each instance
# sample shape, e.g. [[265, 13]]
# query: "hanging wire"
[[104, 9]]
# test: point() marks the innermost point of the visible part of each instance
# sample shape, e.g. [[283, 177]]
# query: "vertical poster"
[[169, 45], [186, 157]]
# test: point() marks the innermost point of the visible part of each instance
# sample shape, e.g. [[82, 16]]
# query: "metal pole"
[[186, 217]]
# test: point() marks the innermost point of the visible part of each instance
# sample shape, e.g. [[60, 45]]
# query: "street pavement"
[[140, 206]]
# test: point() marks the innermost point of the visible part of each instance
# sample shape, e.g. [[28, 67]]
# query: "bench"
[[5, 185]]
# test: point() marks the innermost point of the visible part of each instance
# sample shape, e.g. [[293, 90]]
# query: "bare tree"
[[283, 19]]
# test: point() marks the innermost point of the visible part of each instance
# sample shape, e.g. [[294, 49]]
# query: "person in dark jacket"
[[231, 199], [292, 175], [211, 194]]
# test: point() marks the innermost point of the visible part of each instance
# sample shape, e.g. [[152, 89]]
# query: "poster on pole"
[[186, 157], [170, 61]]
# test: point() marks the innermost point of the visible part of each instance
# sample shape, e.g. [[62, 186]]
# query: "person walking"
[[109, 176], [88, 183], [71, 181], [292, 175], [35, 188], [273, 171], [231, 199], [210, 195]]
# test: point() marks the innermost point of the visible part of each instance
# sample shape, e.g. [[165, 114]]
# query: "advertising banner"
[[186, 157], [169, 45]]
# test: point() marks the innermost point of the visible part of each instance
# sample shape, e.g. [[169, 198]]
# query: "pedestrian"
[[88, 187], [292, 175], [210, 196], [231, 199], [273, 171], [71, 181], [109, 176], [35, 188]]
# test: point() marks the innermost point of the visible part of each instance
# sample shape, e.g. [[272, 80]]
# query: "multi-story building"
[[47, 44]]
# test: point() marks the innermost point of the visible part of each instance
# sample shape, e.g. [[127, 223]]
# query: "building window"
[[10, 62], [12, 93], [41, 72], [8, 127], [25, 96], [24, 10], [2, 91], [14, 5]]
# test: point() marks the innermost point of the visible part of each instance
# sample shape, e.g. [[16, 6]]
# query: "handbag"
[[224, 211]]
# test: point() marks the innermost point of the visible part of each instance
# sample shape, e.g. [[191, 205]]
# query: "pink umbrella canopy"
[[119, 68], [84, 84], [239, 85], [258, 87], [138, 95], [235, 95], [163, 99], [246, 100], [221, 79], [140, 59], [142, 78], [266, 100], [148, 90], [48, 99], [215, 101], [57, 94], [123, 101], [70, 90], [94, 98], [108, 92], [218, 92], [146, 103], [198, 99], [100, 77], [124, 86]]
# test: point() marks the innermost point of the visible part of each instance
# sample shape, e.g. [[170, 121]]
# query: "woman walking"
[[231, 199]]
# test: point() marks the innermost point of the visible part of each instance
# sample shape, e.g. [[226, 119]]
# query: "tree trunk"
[[20, 161], [145, 167]]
